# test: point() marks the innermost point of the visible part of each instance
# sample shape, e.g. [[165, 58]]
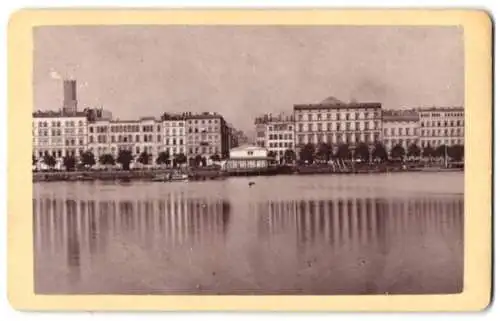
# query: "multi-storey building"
[[276, 133], [336, 122], [174, 134], [59, 134], [441, 126], [137, 136], [400, 127], [207, 134]]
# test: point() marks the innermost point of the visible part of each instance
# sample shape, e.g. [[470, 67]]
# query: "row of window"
[[446, 114], [444, 132], [402, 142], [57, 123], [56, 141], [58, 132], [445, 123], [203, 121], [338, 126], [281, 145], [437, 142], [58, 152], [202, 138], [280, 128], [280, 136], [103, 139], [401, 131], [204, 150], [209, 129], [138, 150], [339, 116], [310, 138]]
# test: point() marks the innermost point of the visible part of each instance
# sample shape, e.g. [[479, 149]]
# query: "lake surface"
[[326, 234]]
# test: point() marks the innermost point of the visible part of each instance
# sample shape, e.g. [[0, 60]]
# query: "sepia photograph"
[[283, 160]]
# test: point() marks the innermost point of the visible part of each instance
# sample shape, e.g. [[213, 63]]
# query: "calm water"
[[394, 233]]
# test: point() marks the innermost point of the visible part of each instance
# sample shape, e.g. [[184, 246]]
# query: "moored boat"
[[171, 177]]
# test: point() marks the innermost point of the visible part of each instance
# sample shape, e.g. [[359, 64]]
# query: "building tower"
[[69, 92]]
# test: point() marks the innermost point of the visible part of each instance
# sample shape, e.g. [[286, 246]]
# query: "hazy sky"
[[245, 71]]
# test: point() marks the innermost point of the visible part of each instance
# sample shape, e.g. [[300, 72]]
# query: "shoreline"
[[215, 174]]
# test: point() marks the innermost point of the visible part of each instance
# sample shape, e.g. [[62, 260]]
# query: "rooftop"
[[58, 113], [334, 103], [268, 118], [440, 108], [400, 115]]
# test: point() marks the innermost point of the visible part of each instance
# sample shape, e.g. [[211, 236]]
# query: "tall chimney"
[[69, 92]]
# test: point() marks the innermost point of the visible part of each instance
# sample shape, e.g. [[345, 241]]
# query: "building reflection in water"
[[335, 232], [359, 220]]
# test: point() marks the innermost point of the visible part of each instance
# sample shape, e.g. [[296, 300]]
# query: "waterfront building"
[[63, 132], [400, 127], [247, 158], [276, 133], [137, 136], [207, 134], [441, 126], [174, 135], [335, 122], [59, 134]]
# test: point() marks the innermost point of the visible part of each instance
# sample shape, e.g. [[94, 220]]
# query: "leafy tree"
[[107, 159], [163, 158], [69, 162], [343, 152], [441, 151], [88, 159], [398, 152], [49, 160], [362, 151], [144, 158], [307, 153], [124, 158], [198, 159], [428, 151], [380, 152], [289, 156], [413, 150], [456, 152], [215, 158], [325, 151], [180, 159]]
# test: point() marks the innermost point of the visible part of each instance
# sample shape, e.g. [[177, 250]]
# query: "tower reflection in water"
[[337, 246]]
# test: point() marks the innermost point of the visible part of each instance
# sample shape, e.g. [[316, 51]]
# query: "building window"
[[310, 127], [91, 129], [320, 127]]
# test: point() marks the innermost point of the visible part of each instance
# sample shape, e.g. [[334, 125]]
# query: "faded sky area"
[[242, 71]]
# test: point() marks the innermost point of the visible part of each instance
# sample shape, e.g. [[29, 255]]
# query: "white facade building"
[[174, 134], [58, 134], [247, 157], [441, 126], [400, 127], [336, 122], [276, 133]]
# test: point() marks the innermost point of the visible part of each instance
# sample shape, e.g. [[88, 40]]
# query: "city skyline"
[[260, 70]]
